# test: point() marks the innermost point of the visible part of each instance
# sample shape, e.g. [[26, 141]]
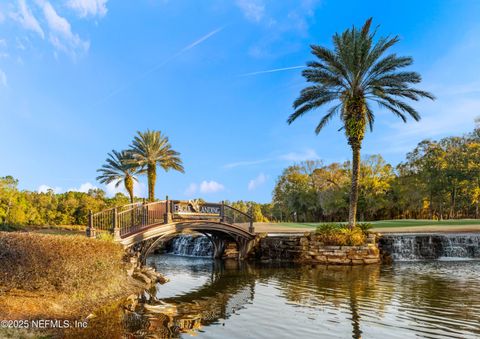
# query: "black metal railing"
[[132, 218], [140, 216], [234, 216]]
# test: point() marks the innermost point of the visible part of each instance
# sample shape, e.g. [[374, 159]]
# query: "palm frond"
[[358, 68], [331, 61], [117, 167], [152, 148], [327, 117], [370, 117], [311, 98]]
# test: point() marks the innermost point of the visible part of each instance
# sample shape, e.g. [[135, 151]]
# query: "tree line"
[[30, 208], [438, 180], [21, 208]]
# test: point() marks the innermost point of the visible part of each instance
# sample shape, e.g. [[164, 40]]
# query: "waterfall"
[[405, 247], [190, 245]]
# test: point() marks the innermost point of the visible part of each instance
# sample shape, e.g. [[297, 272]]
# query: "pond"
[[210, 299]]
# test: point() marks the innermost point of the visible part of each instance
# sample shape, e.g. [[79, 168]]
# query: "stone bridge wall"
[[307, 248]]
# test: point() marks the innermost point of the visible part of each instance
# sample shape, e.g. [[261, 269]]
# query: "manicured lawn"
[[412, 223], [394, 223]]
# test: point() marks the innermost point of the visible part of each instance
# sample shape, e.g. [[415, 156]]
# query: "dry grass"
[[57, 276]]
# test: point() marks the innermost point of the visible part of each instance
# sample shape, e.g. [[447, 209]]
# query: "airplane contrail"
[[161, 64], [272, 70], [202, 39]]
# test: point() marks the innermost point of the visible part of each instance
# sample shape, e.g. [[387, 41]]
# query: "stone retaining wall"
[[307, 248]]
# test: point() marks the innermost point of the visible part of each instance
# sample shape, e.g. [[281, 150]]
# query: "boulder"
[[339, 261], [320, 258], [357, 262], [131, 302], [141, 277], [371, 261]]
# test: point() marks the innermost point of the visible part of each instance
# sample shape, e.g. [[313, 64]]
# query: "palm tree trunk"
[[152, 178], [129, 187], [352, 210], [355, 126], [354, 310]]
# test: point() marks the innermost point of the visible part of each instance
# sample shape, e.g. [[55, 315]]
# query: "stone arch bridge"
[[140, 227]]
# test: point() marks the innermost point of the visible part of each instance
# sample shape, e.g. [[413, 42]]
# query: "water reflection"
[[243, 300], [230, 286]]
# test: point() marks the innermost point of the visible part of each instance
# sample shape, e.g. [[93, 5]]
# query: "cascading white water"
[[404, 247], [191, 245]]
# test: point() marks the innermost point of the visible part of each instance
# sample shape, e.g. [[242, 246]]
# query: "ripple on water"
[[424, 299]]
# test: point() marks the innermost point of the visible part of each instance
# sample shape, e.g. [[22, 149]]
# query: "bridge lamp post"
[[168, 212], [90, 229], [116, 228], [251, 229], [222, 212]]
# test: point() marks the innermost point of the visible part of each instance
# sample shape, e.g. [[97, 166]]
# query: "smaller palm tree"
[[150, 149], [119, 167]]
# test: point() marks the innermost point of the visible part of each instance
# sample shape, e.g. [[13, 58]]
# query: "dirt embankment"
[[52, 276]]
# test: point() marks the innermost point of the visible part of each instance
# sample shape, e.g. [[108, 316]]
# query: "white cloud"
[[61, 35], [3, 79], [26, 19], [256, 182], [2, 17], [85, 187], [210, 187], [253, 10], [308, 154], [204, 187], [44, 189], [139, 189], [445, 117], [86, 8]]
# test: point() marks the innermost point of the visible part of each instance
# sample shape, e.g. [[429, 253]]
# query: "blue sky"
[[79, 78]]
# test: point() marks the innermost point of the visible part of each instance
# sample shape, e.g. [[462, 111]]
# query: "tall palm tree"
[[150, 149], [351, 76], [119, 168]]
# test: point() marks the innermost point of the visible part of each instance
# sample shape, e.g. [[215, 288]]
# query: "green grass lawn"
[[413, 222], [396, 223]]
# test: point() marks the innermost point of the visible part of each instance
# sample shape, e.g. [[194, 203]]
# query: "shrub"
[[106, 236], [54, 263], [8, 228], [340, 235], [364, 227], [354, 237], [328, 228]]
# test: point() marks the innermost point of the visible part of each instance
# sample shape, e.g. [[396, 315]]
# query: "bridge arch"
[[141, 227]]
